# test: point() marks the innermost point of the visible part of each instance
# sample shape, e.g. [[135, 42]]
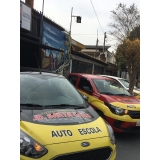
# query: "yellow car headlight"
[[111, 133], [29, 147], [114, 109]]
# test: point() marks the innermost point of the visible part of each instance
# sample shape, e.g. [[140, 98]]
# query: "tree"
[[121, 63], [124, 21], [126, 28], [130, 51], [135, 33]]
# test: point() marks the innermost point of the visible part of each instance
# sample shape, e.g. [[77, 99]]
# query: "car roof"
[[42, 73], [89, 75], [113, 77]]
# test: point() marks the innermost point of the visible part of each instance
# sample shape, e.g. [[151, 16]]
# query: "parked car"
[[125, 84], [57, 123], [111, 101]]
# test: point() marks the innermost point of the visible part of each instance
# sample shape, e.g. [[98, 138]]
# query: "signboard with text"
[[25, 16]]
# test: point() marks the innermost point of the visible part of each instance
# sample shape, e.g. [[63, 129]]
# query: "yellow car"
[[56, 123], [110, 100]]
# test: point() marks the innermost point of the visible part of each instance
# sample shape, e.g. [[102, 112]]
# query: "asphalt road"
[[128, 146]]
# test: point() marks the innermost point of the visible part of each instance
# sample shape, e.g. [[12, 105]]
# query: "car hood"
[[126, 102], [56, 129], [134, 89]]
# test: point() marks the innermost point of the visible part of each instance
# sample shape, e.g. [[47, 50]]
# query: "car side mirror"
[[87, 89]]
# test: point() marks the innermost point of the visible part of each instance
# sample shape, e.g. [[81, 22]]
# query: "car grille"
[[133, 129], [134, 114], [98, 154]]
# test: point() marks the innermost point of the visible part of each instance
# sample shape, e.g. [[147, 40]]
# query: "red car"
[[109, 98]]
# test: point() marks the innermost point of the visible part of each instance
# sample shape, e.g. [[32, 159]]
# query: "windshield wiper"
[[65, 106], [32, 105], [122, 95], [108, 93], [52, 106]]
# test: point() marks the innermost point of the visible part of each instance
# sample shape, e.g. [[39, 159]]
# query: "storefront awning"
[[40, 44]]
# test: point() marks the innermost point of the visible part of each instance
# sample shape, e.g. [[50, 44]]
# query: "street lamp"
[[78, 20]]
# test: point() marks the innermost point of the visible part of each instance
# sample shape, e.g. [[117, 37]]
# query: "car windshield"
[[125, 83], [110, 87], [44, 90]]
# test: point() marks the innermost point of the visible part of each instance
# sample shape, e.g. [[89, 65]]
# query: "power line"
[[83, 34], [88, 34], [97, 16]]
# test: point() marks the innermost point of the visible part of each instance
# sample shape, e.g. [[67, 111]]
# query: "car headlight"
[[115, 110], [29, 147], [111, 133]]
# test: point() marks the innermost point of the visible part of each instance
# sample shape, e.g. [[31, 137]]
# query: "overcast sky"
[[86, 31]]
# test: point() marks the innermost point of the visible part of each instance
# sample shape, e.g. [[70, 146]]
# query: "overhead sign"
[[25, 17]]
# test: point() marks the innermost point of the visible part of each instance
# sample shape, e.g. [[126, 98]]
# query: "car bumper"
[[73, 150], [122, 126]]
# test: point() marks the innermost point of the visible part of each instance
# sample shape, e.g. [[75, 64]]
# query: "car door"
[[85, 88], [73, 79]]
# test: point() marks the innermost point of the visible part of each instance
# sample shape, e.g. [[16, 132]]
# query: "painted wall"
[[54, 60]]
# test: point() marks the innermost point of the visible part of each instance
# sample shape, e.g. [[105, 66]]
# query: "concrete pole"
[[104, 42]]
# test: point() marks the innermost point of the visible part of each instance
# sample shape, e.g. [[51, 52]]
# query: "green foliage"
[[135, 33], [121, 63]]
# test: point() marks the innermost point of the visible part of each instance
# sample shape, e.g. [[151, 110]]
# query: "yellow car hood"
[[49, 134]]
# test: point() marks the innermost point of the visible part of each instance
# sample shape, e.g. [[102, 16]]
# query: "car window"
[[73, 79], [48, 90], [85, 85], [111, 87], [125, 83]]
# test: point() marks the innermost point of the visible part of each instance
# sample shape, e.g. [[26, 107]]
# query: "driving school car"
[[111, 101], [56, 123]]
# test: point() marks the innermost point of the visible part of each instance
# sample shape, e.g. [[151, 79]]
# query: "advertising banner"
[[54, 60], [25, 16]]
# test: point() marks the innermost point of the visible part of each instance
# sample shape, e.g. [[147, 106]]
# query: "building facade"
[[46, 45]]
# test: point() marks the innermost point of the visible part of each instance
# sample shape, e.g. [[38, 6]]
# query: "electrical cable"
[[97, 16]]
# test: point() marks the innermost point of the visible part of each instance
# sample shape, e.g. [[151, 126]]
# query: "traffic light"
[[78, 19]]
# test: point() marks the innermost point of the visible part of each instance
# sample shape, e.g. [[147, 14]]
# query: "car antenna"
[[38, 63]]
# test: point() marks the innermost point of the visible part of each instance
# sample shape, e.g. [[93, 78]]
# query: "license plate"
[[138, 123]]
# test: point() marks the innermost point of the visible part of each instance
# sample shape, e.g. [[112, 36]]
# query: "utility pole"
[[70, 39], [71, 22], [41, 27], [104, 42], [78, 20], [96, 43]]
